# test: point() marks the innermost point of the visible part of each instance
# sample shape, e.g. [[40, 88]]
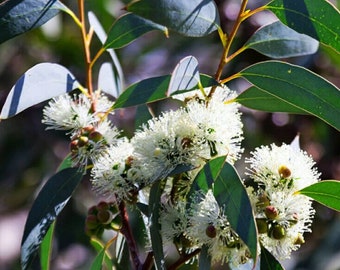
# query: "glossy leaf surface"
[[268, 261], [257, 99], [46, 248], [155, 228], [128, 28], [326, 192], [41, 82], [191, 18], [153, 89], [277, 40], [298, 87], [231, 194], [317, 19], [20, 16], [185, 75], [47, 206]]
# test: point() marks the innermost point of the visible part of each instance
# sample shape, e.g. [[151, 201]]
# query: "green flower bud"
[[95, 136], [277, 232], [271, 212], [104, 216], [82, 141], [262, 225]]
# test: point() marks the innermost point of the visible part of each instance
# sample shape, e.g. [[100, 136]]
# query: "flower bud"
[[271, 212], [91, 222], [299, 240], [82, 141], [210, 231], [262, 225], [74, 146], [277, 232], [263, 200], [95, 136], [284, 172], [102, 206]]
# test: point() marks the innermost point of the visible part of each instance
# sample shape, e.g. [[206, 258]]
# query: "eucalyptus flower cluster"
[[174, 146], [282, 215]]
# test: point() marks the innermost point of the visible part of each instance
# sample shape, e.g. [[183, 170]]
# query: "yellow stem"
[[228, 43]]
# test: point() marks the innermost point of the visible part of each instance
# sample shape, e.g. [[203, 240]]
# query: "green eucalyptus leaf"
[[277, 40], [50, 201], [110, 79], [257, 99], [39, 83], [153, 89], [99, 247], [185, 75], [326, 192], [231, 194], [155, 228], [298, 87], [191, 18], [128, 28], [46, 248], [97, 263], [268, 261], [20, 16], [317, 19]]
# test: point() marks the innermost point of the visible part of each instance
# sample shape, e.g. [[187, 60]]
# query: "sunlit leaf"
[[190, 18], [185, 75], [298, 87], [107, 75], [39, 83], [107, 80], [277, 40], [317, 19], [20, 16], [268, 261], [99, 247], [50, 201], [326, 192], [231, 194], [128, 28], [257, 99], [46, 248], [153, 89], [155, 228]]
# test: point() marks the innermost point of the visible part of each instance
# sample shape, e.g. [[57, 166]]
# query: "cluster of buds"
[[84, 138], [102, 216]]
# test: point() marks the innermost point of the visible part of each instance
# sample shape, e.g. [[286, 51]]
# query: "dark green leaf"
[[191, 18], [207, 175], [268, 261], [129, 27], [255, 98], [155, 228], [276, 40], [326, 192], [185, 75], [152, 89], [110, 80], [47, 206], [298, 87], [231, 194], [39, 83], [46, 248], [317, 19], [20, 16]]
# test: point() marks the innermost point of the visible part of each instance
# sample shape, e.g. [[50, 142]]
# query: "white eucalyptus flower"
[[282, 216]]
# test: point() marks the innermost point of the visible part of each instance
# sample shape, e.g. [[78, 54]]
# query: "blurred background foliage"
[[29, 154]]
